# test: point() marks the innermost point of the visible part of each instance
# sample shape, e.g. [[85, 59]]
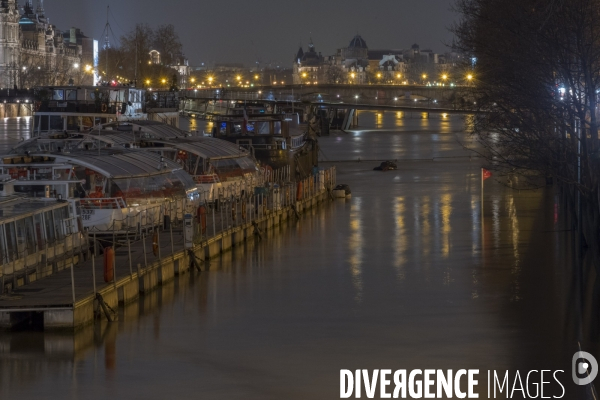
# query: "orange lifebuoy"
[[155, 244], [109, 264], [104, 107], [201, 215]]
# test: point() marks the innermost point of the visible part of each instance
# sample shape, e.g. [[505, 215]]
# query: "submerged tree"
[[535, 75]]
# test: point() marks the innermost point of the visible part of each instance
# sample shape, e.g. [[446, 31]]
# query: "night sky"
[[267, 30]]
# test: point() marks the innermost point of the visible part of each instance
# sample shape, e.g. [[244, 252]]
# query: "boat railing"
[[298, 141], [213, 178], [103, 203]]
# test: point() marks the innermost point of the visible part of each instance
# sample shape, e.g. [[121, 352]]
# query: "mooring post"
[[129, 252], [94, 265], [73, 282]]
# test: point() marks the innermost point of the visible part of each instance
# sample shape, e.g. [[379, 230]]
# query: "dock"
[[76, 295]]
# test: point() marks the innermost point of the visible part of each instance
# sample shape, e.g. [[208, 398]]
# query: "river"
[[406, 274]]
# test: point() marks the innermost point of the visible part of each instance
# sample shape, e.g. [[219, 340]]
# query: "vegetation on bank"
[[537, 75]]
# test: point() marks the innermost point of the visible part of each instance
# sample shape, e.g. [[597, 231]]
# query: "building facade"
[[357, 64], [33, 52]]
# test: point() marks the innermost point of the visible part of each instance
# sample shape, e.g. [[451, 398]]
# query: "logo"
[[585, 368]]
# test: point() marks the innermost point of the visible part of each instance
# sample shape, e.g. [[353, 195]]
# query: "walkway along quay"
[[116, 270]]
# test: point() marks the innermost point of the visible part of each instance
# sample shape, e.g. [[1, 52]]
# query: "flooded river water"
[[416, 270]]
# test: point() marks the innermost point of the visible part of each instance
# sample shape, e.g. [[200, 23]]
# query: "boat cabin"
[[79, 108]]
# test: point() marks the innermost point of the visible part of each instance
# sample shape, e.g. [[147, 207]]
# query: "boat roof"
[[116, 163], [16, 207], [154, 129], [205, 147]]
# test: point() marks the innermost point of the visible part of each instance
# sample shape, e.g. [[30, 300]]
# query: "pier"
[[77, 293]]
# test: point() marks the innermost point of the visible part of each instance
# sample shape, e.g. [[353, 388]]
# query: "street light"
[[75, 65]]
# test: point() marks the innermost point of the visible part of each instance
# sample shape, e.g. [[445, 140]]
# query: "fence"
[[158, 231]]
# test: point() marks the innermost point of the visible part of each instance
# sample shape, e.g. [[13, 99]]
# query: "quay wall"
[[145, 280]]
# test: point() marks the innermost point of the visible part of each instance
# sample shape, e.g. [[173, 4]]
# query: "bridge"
[[339, 100]]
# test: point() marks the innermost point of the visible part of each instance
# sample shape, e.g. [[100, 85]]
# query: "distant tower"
[[10, 49], [29, 7], [40, 8]]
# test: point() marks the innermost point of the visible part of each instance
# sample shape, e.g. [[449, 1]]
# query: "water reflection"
[[416, 270], [355, 247], [13, 131], [402, 237]]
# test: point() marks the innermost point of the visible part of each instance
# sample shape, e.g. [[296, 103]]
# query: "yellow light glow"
[[255, 76], [469, 77], [424, 76], [239, 78], [444, 77]]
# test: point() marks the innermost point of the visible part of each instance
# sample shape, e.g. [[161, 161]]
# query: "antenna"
[[106, 29], [136, 57]]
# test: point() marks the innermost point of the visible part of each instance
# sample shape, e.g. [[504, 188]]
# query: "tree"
[[131, 60], [335, 74], [167, 42], [535, 73]]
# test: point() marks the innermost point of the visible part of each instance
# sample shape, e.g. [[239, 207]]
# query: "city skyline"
[[269, 45]]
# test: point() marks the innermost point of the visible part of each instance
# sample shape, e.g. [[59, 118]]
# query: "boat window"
[[60, 215], [21, 237], [3, 252], [73, 123], [71, 95], [30, 235], [56, 122], [36, 122], [58, 94], [44, 123], [49, 223], [11, 241], [277, 128], [39, 231]]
